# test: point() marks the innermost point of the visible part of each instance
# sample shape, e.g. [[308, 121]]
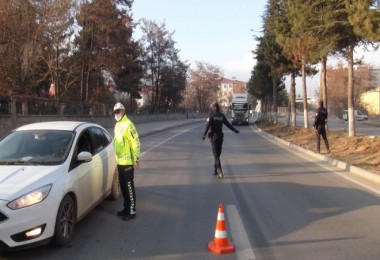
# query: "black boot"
[[122, 213]]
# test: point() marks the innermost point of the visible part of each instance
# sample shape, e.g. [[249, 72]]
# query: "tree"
[[205, 80], [278, 65], [337, 81], [277, 23], [105, 43], [173, 82], [324, 25], [363, 27], [35, 50], [260, 83], [56, 21], [159, 53], [364, 16], [302, 41], [19, 36]]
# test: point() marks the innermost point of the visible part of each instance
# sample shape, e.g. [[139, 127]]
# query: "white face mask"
[[118, 116]]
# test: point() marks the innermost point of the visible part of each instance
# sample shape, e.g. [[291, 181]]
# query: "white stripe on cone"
[[220, 234]]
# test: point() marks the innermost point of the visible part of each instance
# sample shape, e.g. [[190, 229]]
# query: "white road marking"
[[240, 238]]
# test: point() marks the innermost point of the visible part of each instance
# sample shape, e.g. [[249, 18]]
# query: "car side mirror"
[[84, 157]]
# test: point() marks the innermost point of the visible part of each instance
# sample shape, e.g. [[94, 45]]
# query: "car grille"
[[2, 217]]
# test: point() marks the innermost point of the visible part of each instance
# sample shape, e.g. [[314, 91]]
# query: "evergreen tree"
[[161, 62], [277, 23], [260, 85], [364, 16], [106, 44]]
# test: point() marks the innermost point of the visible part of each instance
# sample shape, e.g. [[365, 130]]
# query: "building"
[[375, 76], [227, 88]]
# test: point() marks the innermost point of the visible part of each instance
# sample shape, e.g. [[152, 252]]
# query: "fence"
[[18, 112], [42, 106]]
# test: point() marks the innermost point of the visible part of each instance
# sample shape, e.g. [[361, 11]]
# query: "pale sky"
[[219, 32]]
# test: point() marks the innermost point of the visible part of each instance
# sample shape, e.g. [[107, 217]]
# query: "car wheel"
[[65, 222], [115, 188]]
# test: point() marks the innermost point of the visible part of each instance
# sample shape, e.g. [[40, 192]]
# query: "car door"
[[104, 153], [87, 174]]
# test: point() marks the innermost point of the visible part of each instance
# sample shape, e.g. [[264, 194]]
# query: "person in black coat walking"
[[215, 134], [320, 120]]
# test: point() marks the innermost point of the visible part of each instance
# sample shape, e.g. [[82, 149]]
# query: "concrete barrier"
[[8, 123]]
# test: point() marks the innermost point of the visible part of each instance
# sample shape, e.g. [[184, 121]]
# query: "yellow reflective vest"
[[126, 142]]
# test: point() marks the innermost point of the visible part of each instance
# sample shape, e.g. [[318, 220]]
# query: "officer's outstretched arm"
[[225, 121]]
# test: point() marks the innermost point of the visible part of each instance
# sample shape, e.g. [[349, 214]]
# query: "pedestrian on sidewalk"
[[127, 149], [215, 134], [319, 125]]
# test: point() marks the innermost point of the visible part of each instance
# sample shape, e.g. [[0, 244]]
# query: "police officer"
[[214, 124], [127, 148], [319, 126]]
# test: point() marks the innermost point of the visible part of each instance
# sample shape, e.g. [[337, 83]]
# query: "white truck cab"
[[358, 115], [240, 109]]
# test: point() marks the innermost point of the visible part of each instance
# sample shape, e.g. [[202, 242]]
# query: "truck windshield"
[[239, 105]]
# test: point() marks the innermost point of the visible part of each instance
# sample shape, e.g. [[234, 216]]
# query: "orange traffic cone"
[[220, 245]]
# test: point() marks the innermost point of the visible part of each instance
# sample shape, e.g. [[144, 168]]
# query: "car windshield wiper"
[[19, 162]]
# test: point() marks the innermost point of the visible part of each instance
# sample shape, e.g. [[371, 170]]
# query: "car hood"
[[17, 180]]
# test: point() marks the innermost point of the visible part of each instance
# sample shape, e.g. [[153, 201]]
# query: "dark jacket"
[[320, 118], [215, 124]]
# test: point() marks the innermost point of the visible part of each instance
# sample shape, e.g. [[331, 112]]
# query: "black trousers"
[[127, 186], [321, 132], [217, 151]]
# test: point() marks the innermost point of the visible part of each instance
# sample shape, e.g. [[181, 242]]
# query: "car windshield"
[[35, 147]]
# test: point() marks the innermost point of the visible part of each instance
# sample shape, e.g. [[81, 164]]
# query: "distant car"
[[358, 115], [51, 175]]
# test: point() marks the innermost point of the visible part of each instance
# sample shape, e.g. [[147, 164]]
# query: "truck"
[[240, 109]]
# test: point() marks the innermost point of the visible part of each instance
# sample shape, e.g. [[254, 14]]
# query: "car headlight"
[[31, 198]]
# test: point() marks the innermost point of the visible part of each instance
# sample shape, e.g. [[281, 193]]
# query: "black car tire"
[[115, 188], [65, 222]]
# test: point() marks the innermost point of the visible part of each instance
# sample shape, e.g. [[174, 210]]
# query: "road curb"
[[342, 165]]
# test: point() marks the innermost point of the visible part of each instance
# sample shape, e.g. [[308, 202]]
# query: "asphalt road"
[[279, 204]]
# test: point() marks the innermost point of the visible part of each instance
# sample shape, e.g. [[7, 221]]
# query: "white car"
[[51, 175], [358, 115]]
